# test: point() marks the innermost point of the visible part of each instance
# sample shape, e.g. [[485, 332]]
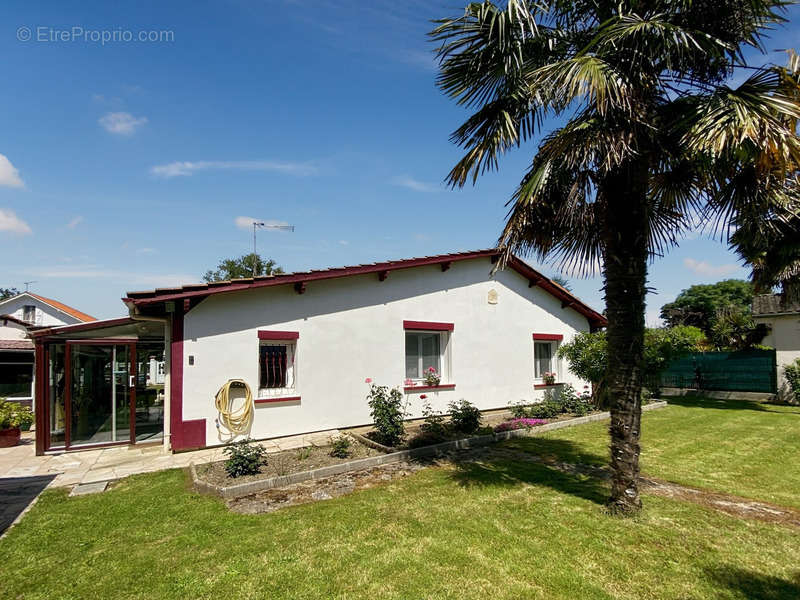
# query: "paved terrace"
[[104, 464]]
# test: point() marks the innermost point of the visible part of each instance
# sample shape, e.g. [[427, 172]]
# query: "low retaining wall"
[[252, 487]]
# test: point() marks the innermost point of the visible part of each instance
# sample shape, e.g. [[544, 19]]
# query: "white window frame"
[[291, 368], [444, 355], [555, 362]]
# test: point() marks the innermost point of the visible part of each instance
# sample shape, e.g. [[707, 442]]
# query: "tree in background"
[[650, 136], [249, 265], [8, 293], [733, 328], [699, 304], [587, 356]]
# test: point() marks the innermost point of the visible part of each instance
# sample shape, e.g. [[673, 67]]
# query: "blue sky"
[[125, 165]]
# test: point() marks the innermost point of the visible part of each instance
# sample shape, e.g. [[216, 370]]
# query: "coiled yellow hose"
[[237, 422]]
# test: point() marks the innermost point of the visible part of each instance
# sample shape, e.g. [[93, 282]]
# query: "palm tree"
[[653, 140]]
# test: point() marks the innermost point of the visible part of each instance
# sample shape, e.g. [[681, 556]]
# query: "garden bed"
[[237, 488], [287, 462]]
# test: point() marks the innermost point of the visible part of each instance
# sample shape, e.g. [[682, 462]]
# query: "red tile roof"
[[81, 316], [201, 290]]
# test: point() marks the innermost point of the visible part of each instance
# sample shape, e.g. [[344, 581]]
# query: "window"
[[423, 350], [543, 358], [276, 361], [29, 313]]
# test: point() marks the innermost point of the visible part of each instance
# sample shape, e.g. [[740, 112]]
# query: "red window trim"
[[553, 337], [429, 388], [541, 386], [428, 325], [277, 399], [278, 335]]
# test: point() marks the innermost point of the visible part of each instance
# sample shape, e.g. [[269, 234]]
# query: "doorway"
[[104, 392]]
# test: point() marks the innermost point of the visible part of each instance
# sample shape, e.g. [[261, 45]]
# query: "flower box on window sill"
[[429, 388], [541, 386], [274, 399]]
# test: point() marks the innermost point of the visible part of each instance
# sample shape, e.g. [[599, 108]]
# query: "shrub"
[[464, 417], [13, 415], [513, 424], [792, 374], [571, 402], [244, 458], [434, 421], [519, 409], [340, 447], [547, 409], [423, 438], [388, 412]]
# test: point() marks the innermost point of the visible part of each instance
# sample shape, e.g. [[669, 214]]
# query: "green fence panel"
[[745, 371]]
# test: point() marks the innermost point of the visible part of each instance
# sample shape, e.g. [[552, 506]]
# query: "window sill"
[[541, 386], [429, 388], [275, 399]]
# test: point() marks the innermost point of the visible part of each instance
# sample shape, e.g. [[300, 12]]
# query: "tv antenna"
[[262, 225], [27, 283]]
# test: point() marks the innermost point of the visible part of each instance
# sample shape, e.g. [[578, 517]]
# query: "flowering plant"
[[432, 377], [524, 423], [549, 378]]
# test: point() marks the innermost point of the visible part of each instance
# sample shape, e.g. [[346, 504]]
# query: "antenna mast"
[[263, 225]]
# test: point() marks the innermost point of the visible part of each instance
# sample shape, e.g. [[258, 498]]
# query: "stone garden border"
[[245, 489]]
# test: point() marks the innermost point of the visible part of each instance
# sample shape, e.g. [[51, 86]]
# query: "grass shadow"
[[498, 470], [705, 402], [755, 585]]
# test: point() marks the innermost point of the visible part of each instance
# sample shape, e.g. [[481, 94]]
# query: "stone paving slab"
[[89, 488]]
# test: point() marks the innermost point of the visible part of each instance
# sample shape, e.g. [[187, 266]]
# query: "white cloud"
[[121, 123], [247, 222], [708, 270], [75, 222], [9, 175], [414, 184], [186, 168], [11, 222], [344, 242], [146, 251]]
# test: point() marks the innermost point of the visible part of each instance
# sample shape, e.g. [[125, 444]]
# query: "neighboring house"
[[18, 316], [783, 318], [305, 343]]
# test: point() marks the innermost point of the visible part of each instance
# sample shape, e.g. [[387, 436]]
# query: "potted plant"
[[12, 416], [549, 378], [432, 378]]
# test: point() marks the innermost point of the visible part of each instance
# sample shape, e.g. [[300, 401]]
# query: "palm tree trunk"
[[625, 234]]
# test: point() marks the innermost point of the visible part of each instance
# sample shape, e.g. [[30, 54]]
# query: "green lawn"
[[742, 448], [497, 530]]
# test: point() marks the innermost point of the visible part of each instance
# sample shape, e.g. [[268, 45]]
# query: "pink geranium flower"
[[423, 396], [368, 380]]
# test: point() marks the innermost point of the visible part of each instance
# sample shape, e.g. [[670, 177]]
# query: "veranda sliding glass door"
[[100, 393]]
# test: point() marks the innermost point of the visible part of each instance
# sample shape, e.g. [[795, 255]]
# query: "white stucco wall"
[[352, 328], [9, 330], [785, 338], [46, 315]]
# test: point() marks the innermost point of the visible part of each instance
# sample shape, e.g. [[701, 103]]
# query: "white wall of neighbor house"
[[351, 329], [44, 315], [784, 336], [9, 330]]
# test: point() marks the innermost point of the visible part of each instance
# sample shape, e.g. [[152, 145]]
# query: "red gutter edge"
[[81, 327], [541, 386], [429, 388], [428, 325], [553, 337]]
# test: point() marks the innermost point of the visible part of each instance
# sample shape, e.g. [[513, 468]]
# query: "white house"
[[18, 315], [306, 342], [783, 319]]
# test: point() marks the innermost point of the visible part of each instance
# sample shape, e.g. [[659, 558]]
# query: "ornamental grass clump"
[[524, 423]]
